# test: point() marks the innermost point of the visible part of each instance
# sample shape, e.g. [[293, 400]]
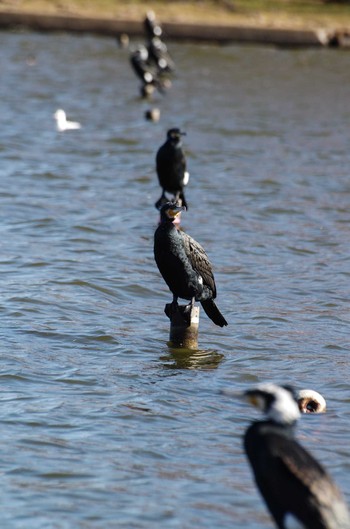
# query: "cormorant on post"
[[310, 401], [184, 265], [143, 70], [171, 168], [152, 114], [158, 52], [297, 490]]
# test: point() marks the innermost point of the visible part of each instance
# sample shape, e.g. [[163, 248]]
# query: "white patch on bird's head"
[[310, 401], [277, 402], [291, 522]]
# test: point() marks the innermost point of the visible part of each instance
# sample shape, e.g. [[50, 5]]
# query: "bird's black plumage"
[[158, 52], [171, 168], [142, 68], [184, 265], [152, 27], [291, 481]]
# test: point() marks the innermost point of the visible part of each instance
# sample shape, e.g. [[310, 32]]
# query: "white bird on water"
[[62, 123]]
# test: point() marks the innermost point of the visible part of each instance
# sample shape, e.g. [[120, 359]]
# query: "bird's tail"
[[213, 312]]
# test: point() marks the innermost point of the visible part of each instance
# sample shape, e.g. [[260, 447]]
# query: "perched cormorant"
[[158, 52], [311, 401], [184, 264], [297, 490], [152, 114], [171, 168], [151, 27], [142, 68]]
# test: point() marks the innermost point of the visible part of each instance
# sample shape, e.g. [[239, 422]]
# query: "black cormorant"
[[171, 168], [152, 28], [152, 114], [143, 70], [297, 490], [310, 401], [158, 52], [184, 264]]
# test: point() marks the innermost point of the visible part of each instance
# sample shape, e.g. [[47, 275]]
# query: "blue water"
[[103, 425]]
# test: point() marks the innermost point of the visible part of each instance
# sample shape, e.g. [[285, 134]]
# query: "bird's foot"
[[186, 313], [171, 308]]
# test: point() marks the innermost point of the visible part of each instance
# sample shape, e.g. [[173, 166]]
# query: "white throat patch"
[[284, 409]]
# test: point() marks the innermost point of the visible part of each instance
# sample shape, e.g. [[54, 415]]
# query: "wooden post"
[[183, 326]]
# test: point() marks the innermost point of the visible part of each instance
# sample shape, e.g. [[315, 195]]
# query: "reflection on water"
[[191, 359], [102, 424]]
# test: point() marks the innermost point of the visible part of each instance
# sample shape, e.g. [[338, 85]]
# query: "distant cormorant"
[[152, 28], [152, 114], [311, 401], [158, 52], [297, 490], [184, 265], [171, 168], [143, 70]]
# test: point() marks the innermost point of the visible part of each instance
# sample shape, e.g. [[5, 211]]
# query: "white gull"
[[62, 123]]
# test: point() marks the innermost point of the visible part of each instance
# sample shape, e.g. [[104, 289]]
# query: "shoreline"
[[204, 32]]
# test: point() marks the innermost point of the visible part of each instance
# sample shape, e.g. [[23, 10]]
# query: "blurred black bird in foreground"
[[171, 168], [184, 265], [297, 490]]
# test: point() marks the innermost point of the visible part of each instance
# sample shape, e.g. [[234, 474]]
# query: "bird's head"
[[174, 135], [278, 403], [60, 115], [169, 211], [311, 401], [141, 52]]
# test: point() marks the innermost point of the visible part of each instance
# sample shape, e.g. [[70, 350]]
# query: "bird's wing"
[[199, 261], [170, 161], [294, 479], [315, 479]]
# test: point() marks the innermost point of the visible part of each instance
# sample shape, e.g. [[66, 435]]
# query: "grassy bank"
[[307, 14]]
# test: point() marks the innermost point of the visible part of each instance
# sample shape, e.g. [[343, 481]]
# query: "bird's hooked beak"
[[174, 211], [251, 398]]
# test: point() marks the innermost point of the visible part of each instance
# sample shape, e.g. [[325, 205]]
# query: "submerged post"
[[184, 323]]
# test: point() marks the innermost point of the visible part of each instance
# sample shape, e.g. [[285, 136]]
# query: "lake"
[[104, 425]]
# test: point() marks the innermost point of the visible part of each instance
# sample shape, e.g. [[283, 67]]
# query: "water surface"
[[104, 426]]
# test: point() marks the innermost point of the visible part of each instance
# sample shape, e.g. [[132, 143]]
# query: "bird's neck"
[[167, 224], [269, 426]]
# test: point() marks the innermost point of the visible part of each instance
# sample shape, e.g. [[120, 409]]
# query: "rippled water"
[[103, 425]]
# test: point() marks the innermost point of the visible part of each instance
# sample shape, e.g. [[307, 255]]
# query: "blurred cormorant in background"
[[143, 70], [152, 28], [158, 52]]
